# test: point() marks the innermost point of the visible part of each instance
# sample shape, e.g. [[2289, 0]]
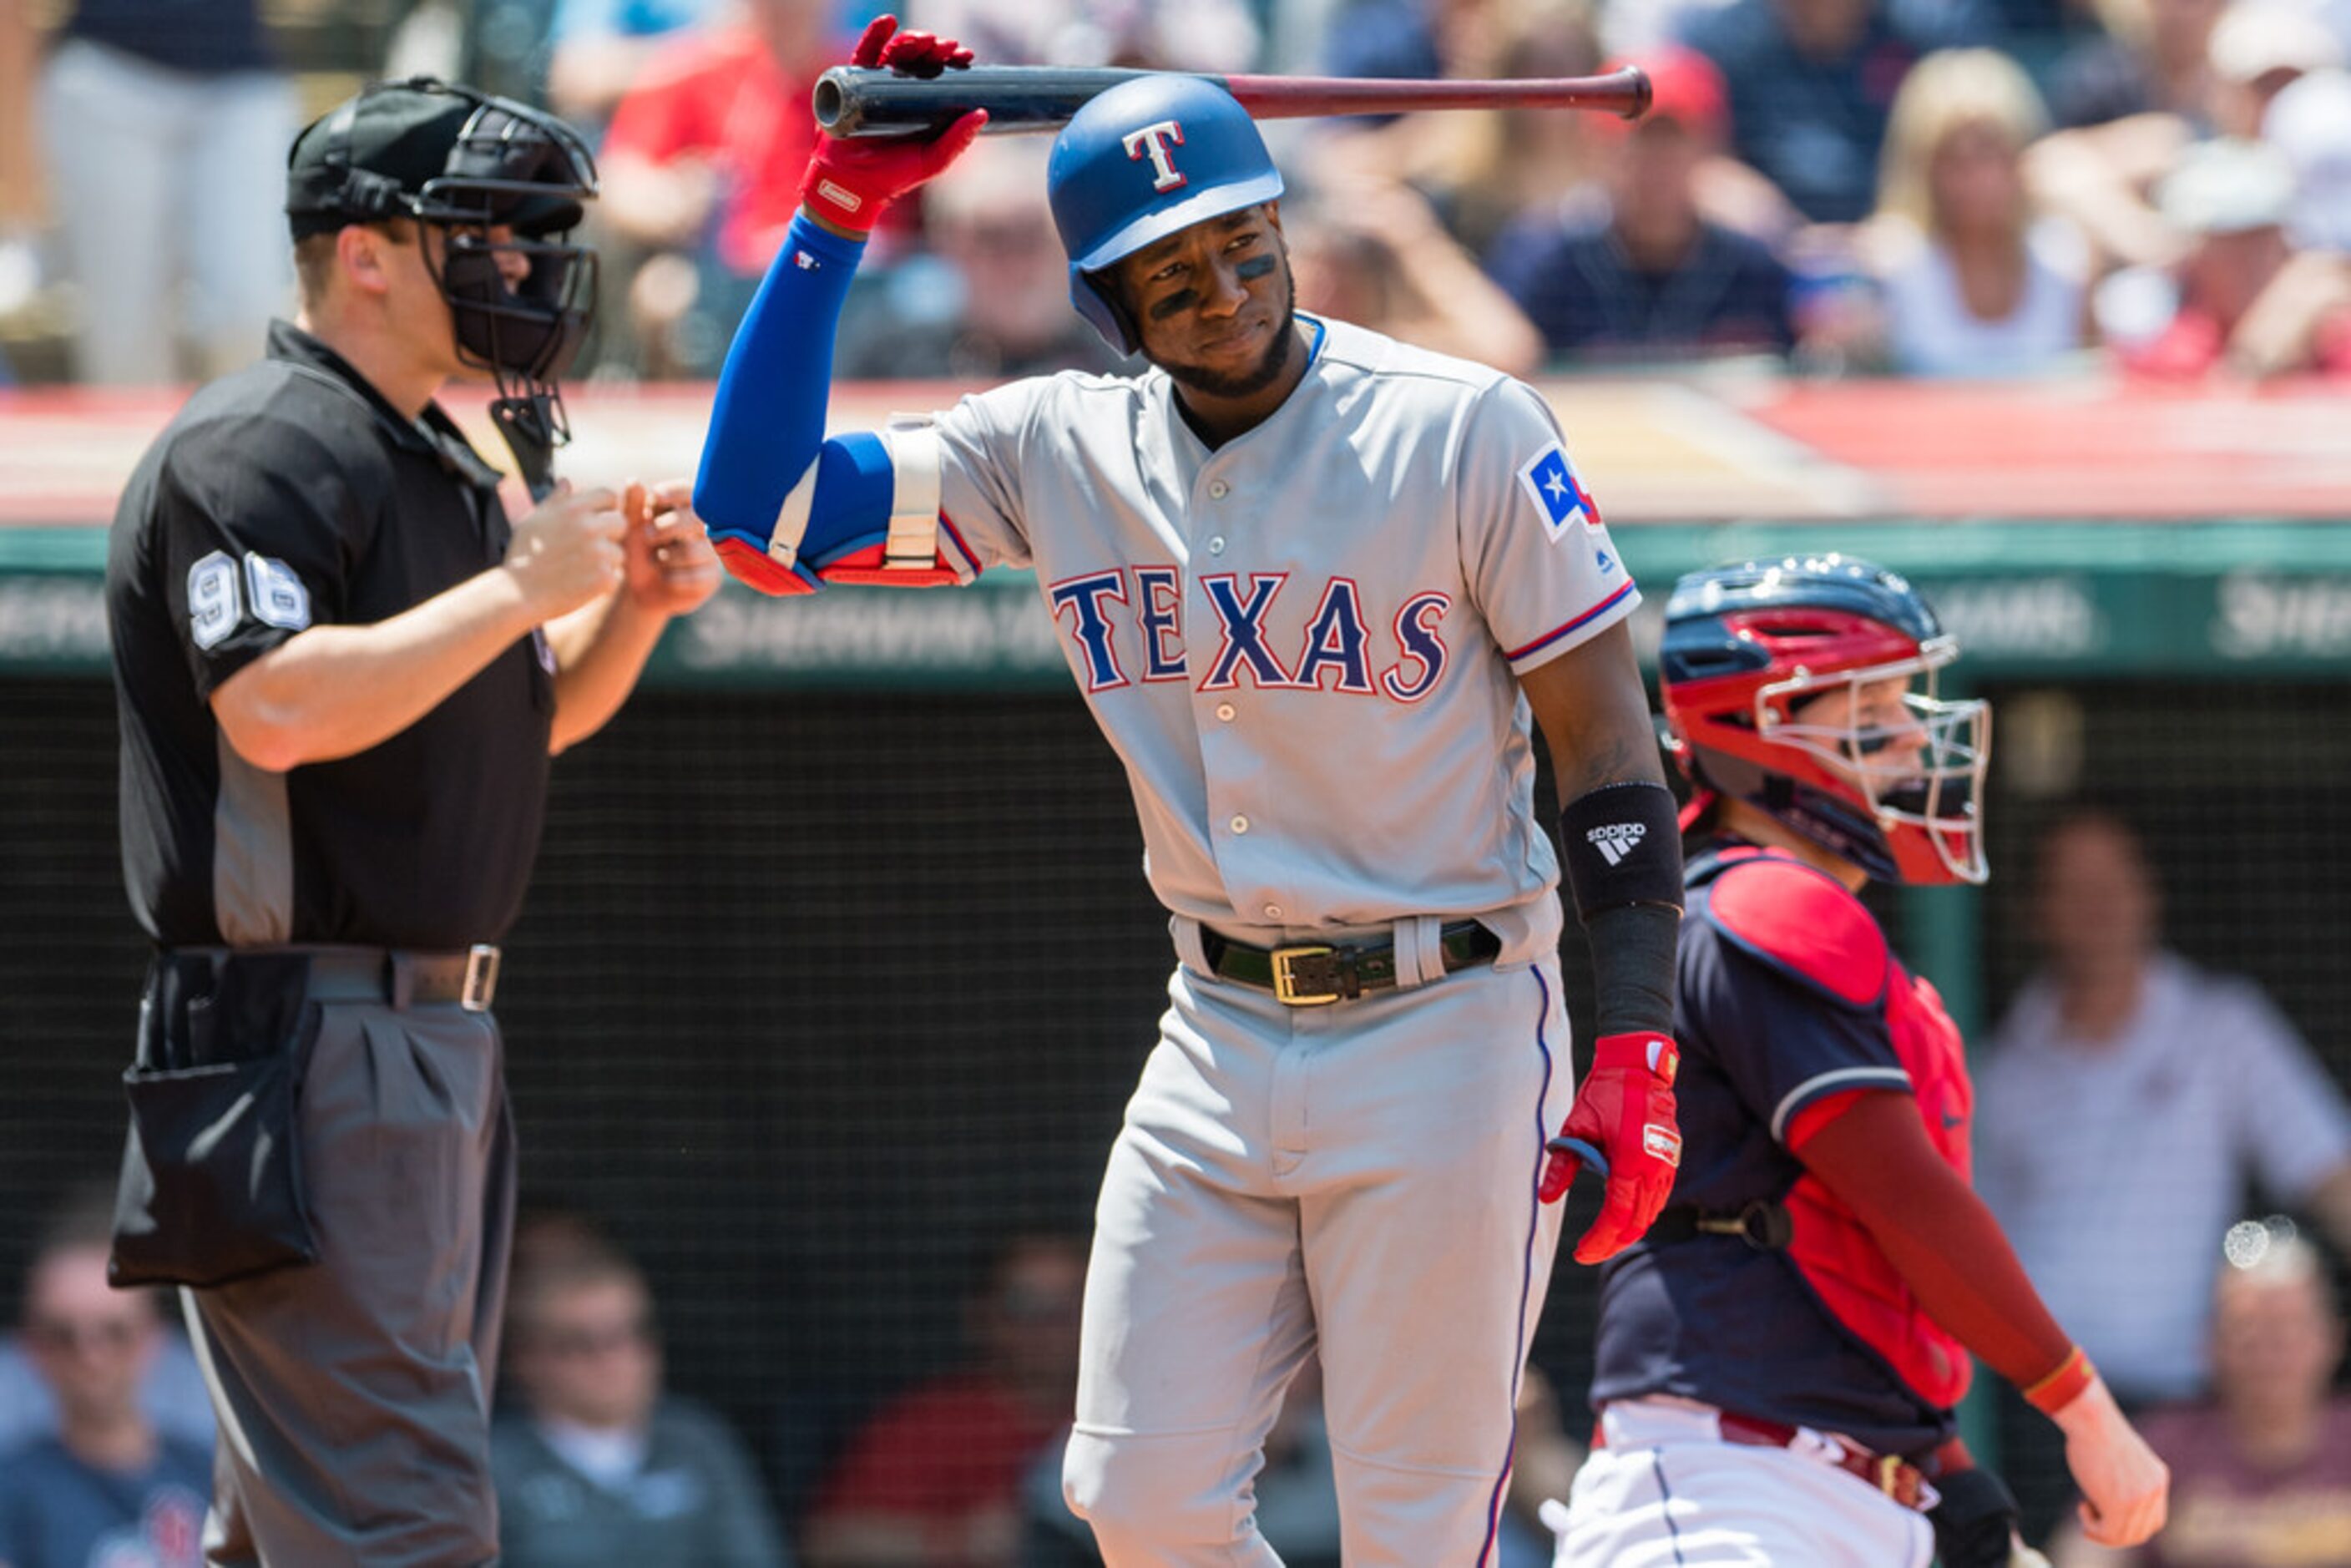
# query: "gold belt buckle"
[[481, 978], [1285, 988], [1889, 1475]]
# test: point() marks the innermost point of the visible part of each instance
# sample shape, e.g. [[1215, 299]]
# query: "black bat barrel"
[[852, 102]]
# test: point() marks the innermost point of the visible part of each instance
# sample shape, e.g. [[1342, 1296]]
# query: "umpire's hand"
[[567, 552]]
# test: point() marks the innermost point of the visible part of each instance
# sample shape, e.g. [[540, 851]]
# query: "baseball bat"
[[853, 101]]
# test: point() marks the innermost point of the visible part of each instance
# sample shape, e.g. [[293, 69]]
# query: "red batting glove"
[[1623, 1119], [850, 180]]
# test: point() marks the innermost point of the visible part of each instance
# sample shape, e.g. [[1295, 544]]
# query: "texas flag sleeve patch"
[[1550, 479]]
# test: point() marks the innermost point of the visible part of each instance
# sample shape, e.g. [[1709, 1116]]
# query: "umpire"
[[341, 674]]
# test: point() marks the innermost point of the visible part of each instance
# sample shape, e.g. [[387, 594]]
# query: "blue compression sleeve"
[[768, 422]]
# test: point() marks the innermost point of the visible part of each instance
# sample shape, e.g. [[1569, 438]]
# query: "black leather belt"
[[1317, 974], [1763, 1225], [469, 979]]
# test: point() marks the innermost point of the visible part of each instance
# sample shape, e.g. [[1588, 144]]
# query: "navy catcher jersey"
[[1713, 1318]]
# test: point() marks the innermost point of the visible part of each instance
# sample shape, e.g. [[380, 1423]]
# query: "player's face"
[[1885, 737], [1212, 303]]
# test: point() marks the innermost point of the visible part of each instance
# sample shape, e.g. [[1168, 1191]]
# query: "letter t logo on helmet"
[[1104, 209], [1152, 141]]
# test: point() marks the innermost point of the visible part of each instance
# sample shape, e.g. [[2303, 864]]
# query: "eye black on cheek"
[[1255, 267], [1175, 303]]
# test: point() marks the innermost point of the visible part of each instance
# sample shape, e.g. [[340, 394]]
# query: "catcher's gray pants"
[[354, 1393]]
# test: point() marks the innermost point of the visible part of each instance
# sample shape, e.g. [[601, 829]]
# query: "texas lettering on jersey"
[[1126, 624]]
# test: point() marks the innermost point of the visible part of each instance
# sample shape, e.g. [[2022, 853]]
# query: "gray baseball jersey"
[[1304, 647]]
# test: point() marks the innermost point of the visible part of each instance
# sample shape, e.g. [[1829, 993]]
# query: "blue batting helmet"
[[1155, 154]]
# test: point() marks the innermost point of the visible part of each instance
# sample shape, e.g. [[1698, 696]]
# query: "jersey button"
[[1219, 489], [1240, 824], [1224, 711], [1273, 912], [1216, 545]]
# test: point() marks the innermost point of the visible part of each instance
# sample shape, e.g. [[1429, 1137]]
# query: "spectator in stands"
[[993, 299], [23, 205], [1973, 283], [599, 1466], [2310, 123], [935, 1479], [1373, 252], [2129, 1084], [2247, 300], [1810, 83], [165, 127], [1216, 36], [2262, 1474], [107, 1488], [1646, 276], [1482, 170], [702, 167], [171, 1394], [2149, 58], [2105, 177], [598, 49]]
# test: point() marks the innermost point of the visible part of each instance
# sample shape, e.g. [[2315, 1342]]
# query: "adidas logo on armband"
[[1617, 840]]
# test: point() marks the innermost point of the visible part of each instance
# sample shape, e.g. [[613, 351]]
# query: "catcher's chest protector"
[[1816, 931]]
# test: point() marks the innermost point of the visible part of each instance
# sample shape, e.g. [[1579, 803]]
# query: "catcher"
[[1778, 1358]]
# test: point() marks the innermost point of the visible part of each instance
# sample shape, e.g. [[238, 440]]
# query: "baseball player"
[[1311, 584], [1777, 1359]]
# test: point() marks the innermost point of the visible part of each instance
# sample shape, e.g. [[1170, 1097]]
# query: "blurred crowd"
[[1931, 188], [2142, 1121]]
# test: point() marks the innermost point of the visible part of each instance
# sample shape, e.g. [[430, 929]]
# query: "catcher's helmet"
[[1155, 154], [1896, 788]]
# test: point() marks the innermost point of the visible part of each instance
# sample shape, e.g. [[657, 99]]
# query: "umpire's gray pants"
[[354, 1393]]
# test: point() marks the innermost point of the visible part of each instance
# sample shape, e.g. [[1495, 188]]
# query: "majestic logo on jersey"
[[1614, 840], [1114, 627], [1550, 480], [1152, 141]]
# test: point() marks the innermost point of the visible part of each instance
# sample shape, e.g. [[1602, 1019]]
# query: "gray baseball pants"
[[353, 1393]]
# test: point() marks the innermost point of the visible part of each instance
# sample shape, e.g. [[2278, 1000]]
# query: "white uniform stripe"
[[1809, 1089], [914, 446]]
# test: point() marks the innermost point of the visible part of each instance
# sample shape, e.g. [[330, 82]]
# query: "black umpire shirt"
[[287, 494]]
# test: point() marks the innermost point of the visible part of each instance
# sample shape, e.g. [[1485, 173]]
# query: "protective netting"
[[816, 996]]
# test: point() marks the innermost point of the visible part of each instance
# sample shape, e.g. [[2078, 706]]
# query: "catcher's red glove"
[[1623, 1123], [849, 180]]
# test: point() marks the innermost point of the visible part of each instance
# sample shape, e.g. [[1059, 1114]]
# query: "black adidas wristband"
[[1622, 844]]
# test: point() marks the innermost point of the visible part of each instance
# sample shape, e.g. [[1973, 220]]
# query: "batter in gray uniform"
[[1315, 585]]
